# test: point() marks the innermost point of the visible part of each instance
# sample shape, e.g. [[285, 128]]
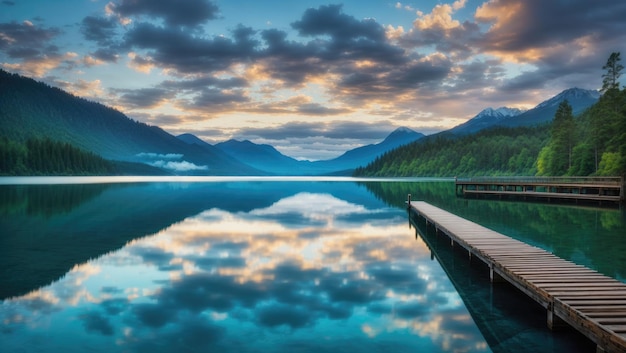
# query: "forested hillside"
[[34, 110], [593, 143], [46, 157], [497, 151]]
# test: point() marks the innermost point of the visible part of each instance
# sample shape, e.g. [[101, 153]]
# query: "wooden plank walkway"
[[590, 302]]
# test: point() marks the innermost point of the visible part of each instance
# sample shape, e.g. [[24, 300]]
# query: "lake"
[[272, 265]]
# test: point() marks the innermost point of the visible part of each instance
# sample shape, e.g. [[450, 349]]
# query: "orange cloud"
[[139, 63], [498, 13], [440, 17], [40, 66]]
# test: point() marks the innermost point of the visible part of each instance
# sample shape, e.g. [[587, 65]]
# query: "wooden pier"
[[583, 189], [588, 301]]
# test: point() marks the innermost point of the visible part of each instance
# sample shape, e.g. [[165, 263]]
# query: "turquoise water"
[[270, 265]]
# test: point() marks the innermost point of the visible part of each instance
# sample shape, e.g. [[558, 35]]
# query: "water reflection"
[[285, 268], [592, 237]]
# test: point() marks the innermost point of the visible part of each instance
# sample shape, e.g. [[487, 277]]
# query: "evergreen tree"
[[610, 79], [557, 157]]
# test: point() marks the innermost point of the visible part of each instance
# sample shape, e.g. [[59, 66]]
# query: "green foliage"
[[47, 157], [545, 155], [601, 130], [557, 157], [582, 160], [610, 164]]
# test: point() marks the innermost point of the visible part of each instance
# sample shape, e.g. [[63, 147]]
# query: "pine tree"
[[610, 79], [562, 140]]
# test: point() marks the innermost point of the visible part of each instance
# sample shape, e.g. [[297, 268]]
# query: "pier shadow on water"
[[508, 320]]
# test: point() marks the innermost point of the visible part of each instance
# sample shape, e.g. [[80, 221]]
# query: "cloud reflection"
[[307, 267]]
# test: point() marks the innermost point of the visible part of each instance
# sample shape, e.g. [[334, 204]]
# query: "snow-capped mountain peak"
[[500, 113]]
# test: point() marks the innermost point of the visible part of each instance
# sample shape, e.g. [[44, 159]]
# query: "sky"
[[312, 78]]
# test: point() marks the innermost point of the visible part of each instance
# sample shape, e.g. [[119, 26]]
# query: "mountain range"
[[31, 109], [544, 112], [267, 158]]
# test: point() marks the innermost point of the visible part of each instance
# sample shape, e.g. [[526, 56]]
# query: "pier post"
[[408, 201], [555, 323], [494, 276]]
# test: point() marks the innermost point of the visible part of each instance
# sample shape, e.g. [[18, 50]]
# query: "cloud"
[[279, 314], [144, 97], [32, 49], [86, 89], [169, 161], [101, 30], [337, 129], [159, 156], [143, 64], [525, 28], [160, 119], [318, 109], [153, 315], [330, 20], [97, 323], [203, 81], [215, 100], [182, 166], [15, 37], [440, 17], [339, 44], [106, 54], [116, 305], [185, 52], [26, 40], [194, 331], [199, 292], [39, 66], [173, 12], [400, 276], [296, 105]]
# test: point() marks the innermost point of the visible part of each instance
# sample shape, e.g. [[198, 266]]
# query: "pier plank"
[[588, 301]]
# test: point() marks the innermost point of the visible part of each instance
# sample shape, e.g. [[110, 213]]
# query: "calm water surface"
[[242, 266]]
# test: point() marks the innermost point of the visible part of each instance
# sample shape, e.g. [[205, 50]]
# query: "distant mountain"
[[31, 109], [487, 118], [270, 160], [579, 99], [265, 157]]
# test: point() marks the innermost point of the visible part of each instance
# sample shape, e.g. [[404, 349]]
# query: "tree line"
[[594, 143], [47, 157], [496, 151]]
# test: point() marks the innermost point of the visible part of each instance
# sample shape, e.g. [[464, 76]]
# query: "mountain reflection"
[[307, 272]]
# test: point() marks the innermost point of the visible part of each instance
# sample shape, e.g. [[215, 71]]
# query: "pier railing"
[[594, 189]]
